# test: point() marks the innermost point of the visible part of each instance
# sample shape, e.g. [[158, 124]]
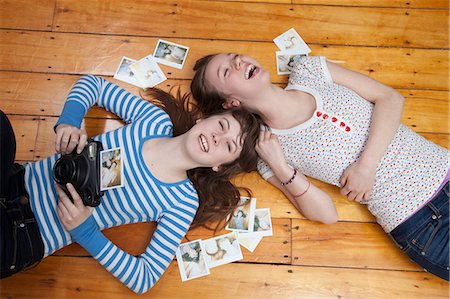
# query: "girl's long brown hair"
[[218, 197], [208, 98]]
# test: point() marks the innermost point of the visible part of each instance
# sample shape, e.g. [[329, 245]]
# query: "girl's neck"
[[166, 159], [283, 109]]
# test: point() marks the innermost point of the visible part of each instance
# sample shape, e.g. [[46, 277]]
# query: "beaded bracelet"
[[291, 179], [306, 190]]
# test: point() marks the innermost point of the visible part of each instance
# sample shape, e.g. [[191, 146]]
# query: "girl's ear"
[[231, 103], [216, 168]]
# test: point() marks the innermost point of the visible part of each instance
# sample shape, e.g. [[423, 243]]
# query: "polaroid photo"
[[125, 74], [148, 72], [291, 40], [111, 170], [191, 260], [263, 223], [170, 54], [222, 250], [286, 60], [249, 241], [241, 220]]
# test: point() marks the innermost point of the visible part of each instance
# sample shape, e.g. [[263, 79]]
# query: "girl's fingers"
[[63, 211], [74, 139], [359, 197], [352, 195], [65, 142], [65, 201], [77, 201], [82, 143], [58, 138]]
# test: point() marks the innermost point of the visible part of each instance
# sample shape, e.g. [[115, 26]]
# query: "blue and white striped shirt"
[[142, 197]]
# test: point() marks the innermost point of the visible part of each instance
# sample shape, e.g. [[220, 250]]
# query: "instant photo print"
[[170, 54], [291, 41], [249, 241], [241, 220], [191, 260], [148, 72], [111, 170], [286, 60], [222, 250], [263, 223], [125, 74]]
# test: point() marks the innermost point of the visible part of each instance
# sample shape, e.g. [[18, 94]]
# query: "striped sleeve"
[[90, 90], [142, 272]]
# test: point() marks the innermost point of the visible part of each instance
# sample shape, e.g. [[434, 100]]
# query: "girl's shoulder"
[[310, 70]]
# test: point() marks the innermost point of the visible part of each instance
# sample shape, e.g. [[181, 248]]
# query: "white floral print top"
[[410, 171]]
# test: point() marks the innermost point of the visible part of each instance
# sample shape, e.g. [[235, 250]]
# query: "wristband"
[[306, 190], [291, 179]]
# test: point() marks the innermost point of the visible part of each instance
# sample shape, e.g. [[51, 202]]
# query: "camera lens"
[[64, 170]]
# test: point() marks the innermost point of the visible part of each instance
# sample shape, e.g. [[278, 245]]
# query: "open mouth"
[[203, 143], [250, 71]]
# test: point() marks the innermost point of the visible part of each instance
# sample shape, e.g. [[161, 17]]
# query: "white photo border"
[[120, 173], [252, 207], [127, 79], [180, 261], [233, 258], [169, 63]]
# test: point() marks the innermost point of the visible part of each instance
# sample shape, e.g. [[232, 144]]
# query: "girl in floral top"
[[343, 128]]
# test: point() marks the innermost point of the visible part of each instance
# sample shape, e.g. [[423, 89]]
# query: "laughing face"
[[238, 77], [215, 140]]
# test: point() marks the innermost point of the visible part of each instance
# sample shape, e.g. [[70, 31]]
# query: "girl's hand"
[[357, 182], [71, 214], [68, 137], [269, 149]]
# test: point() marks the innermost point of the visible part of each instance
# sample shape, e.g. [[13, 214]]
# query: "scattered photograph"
[[148, 72], [286, 60], [170, 54], [242, 218], [191, 260], [111, 175], [291, 41], [249, 241], [124, 73], [222, 250], [263, 223]]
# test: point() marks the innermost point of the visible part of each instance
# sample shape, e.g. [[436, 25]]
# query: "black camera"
[[82, 171]]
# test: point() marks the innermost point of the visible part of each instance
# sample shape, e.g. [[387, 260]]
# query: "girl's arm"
[[358, 179], [86, 92], [139, 273], [314, 204]]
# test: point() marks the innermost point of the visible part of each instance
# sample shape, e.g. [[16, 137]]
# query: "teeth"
[[204, 143], [249, 70]]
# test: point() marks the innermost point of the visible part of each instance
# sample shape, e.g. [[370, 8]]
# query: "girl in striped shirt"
[[175, 172]]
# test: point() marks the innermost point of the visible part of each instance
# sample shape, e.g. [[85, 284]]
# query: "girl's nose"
[[237, 62], [215, 138]]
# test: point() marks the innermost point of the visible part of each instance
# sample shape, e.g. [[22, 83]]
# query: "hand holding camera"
[[71, 214], [82, 170], [68, 137]]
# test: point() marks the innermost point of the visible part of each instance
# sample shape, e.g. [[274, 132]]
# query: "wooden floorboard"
[[36, 15], [67, 277], [46, 45], [100, 55], [316, 24]]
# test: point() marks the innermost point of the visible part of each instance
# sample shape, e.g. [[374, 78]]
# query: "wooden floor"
[[46, 45]]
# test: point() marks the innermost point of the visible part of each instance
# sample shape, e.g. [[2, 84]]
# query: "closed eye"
[[225, 73], [222, 127]]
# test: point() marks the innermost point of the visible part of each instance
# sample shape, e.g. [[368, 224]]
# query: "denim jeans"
[[21, 243], [424, 236]]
